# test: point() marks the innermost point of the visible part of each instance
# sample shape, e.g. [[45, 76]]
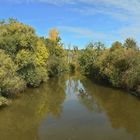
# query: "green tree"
[[15, 36], [130, 43], [116, 45], [10, 82], [88, 59], [26, 50], [57, 61]]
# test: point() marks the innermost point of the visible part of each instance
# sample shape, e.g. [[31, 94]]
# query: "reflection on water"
[[21, 120], [71, 107]]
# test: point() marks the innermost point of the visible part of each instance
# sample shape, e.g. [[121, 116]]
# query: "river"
[[58, 111]]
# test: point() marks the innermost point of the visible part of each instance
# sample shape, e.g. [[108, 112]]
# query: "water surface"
[[58, 111]]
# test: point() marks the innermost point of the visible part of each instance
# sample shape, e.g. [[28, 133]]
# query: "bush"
[[10, 82], [3, 101], [72, 67], [56, 65]]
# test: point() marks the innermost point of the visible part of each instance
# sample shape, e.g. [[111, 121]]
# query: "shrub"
[[3, 101], [72, 67], [10, 82]]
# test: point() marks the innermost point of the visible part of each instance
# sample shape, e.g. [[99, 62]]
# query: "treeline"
[[27, 59], [118, 65]]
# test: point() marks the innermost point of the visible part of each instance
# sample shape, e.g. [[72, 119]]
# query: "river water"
[[71, 107]]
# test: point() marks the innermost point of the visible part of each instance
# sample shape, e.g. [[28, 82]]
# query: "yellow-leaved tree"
[[57, 61], [53, 34]]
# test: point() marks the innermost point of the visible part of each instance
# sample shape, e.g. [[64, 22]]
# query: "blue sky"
[[78, 21]]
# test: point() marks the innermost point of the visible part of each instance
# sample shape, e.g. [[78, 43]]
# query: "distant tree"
[[53, 34], [90, 45], [99, 46], [57, 55], [130, 43], [95, 45], [75, 48], [116, 45], [88, 59]]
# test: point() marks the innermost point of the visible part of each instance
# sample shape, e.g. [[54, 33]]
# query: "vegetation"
[[118, 65], [26, 50], [26, 59], [57, 61], [3, 101], [10, 82], [73, 55]]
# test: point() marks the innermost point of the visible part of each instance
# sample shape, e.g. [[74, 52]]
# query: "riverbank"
[[118, 66]]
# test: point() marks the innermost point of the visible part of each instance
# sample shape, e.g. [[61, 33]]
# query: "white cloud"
[[79, 32], [83, 32]]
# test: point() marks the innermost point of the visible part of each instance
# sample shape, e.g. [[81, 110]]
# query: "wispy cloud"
[[116, 8], [55, 2], [125, 5], [125, 11], [119, 9], [80, 32]]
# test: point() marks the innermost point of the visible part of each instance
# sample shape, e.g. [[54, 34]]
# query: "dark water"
[[57, 111]]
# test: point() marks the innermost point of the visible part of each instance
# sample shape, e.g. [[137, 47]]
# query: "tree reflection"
[[22, 119], [54, 97], [121, 108]]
